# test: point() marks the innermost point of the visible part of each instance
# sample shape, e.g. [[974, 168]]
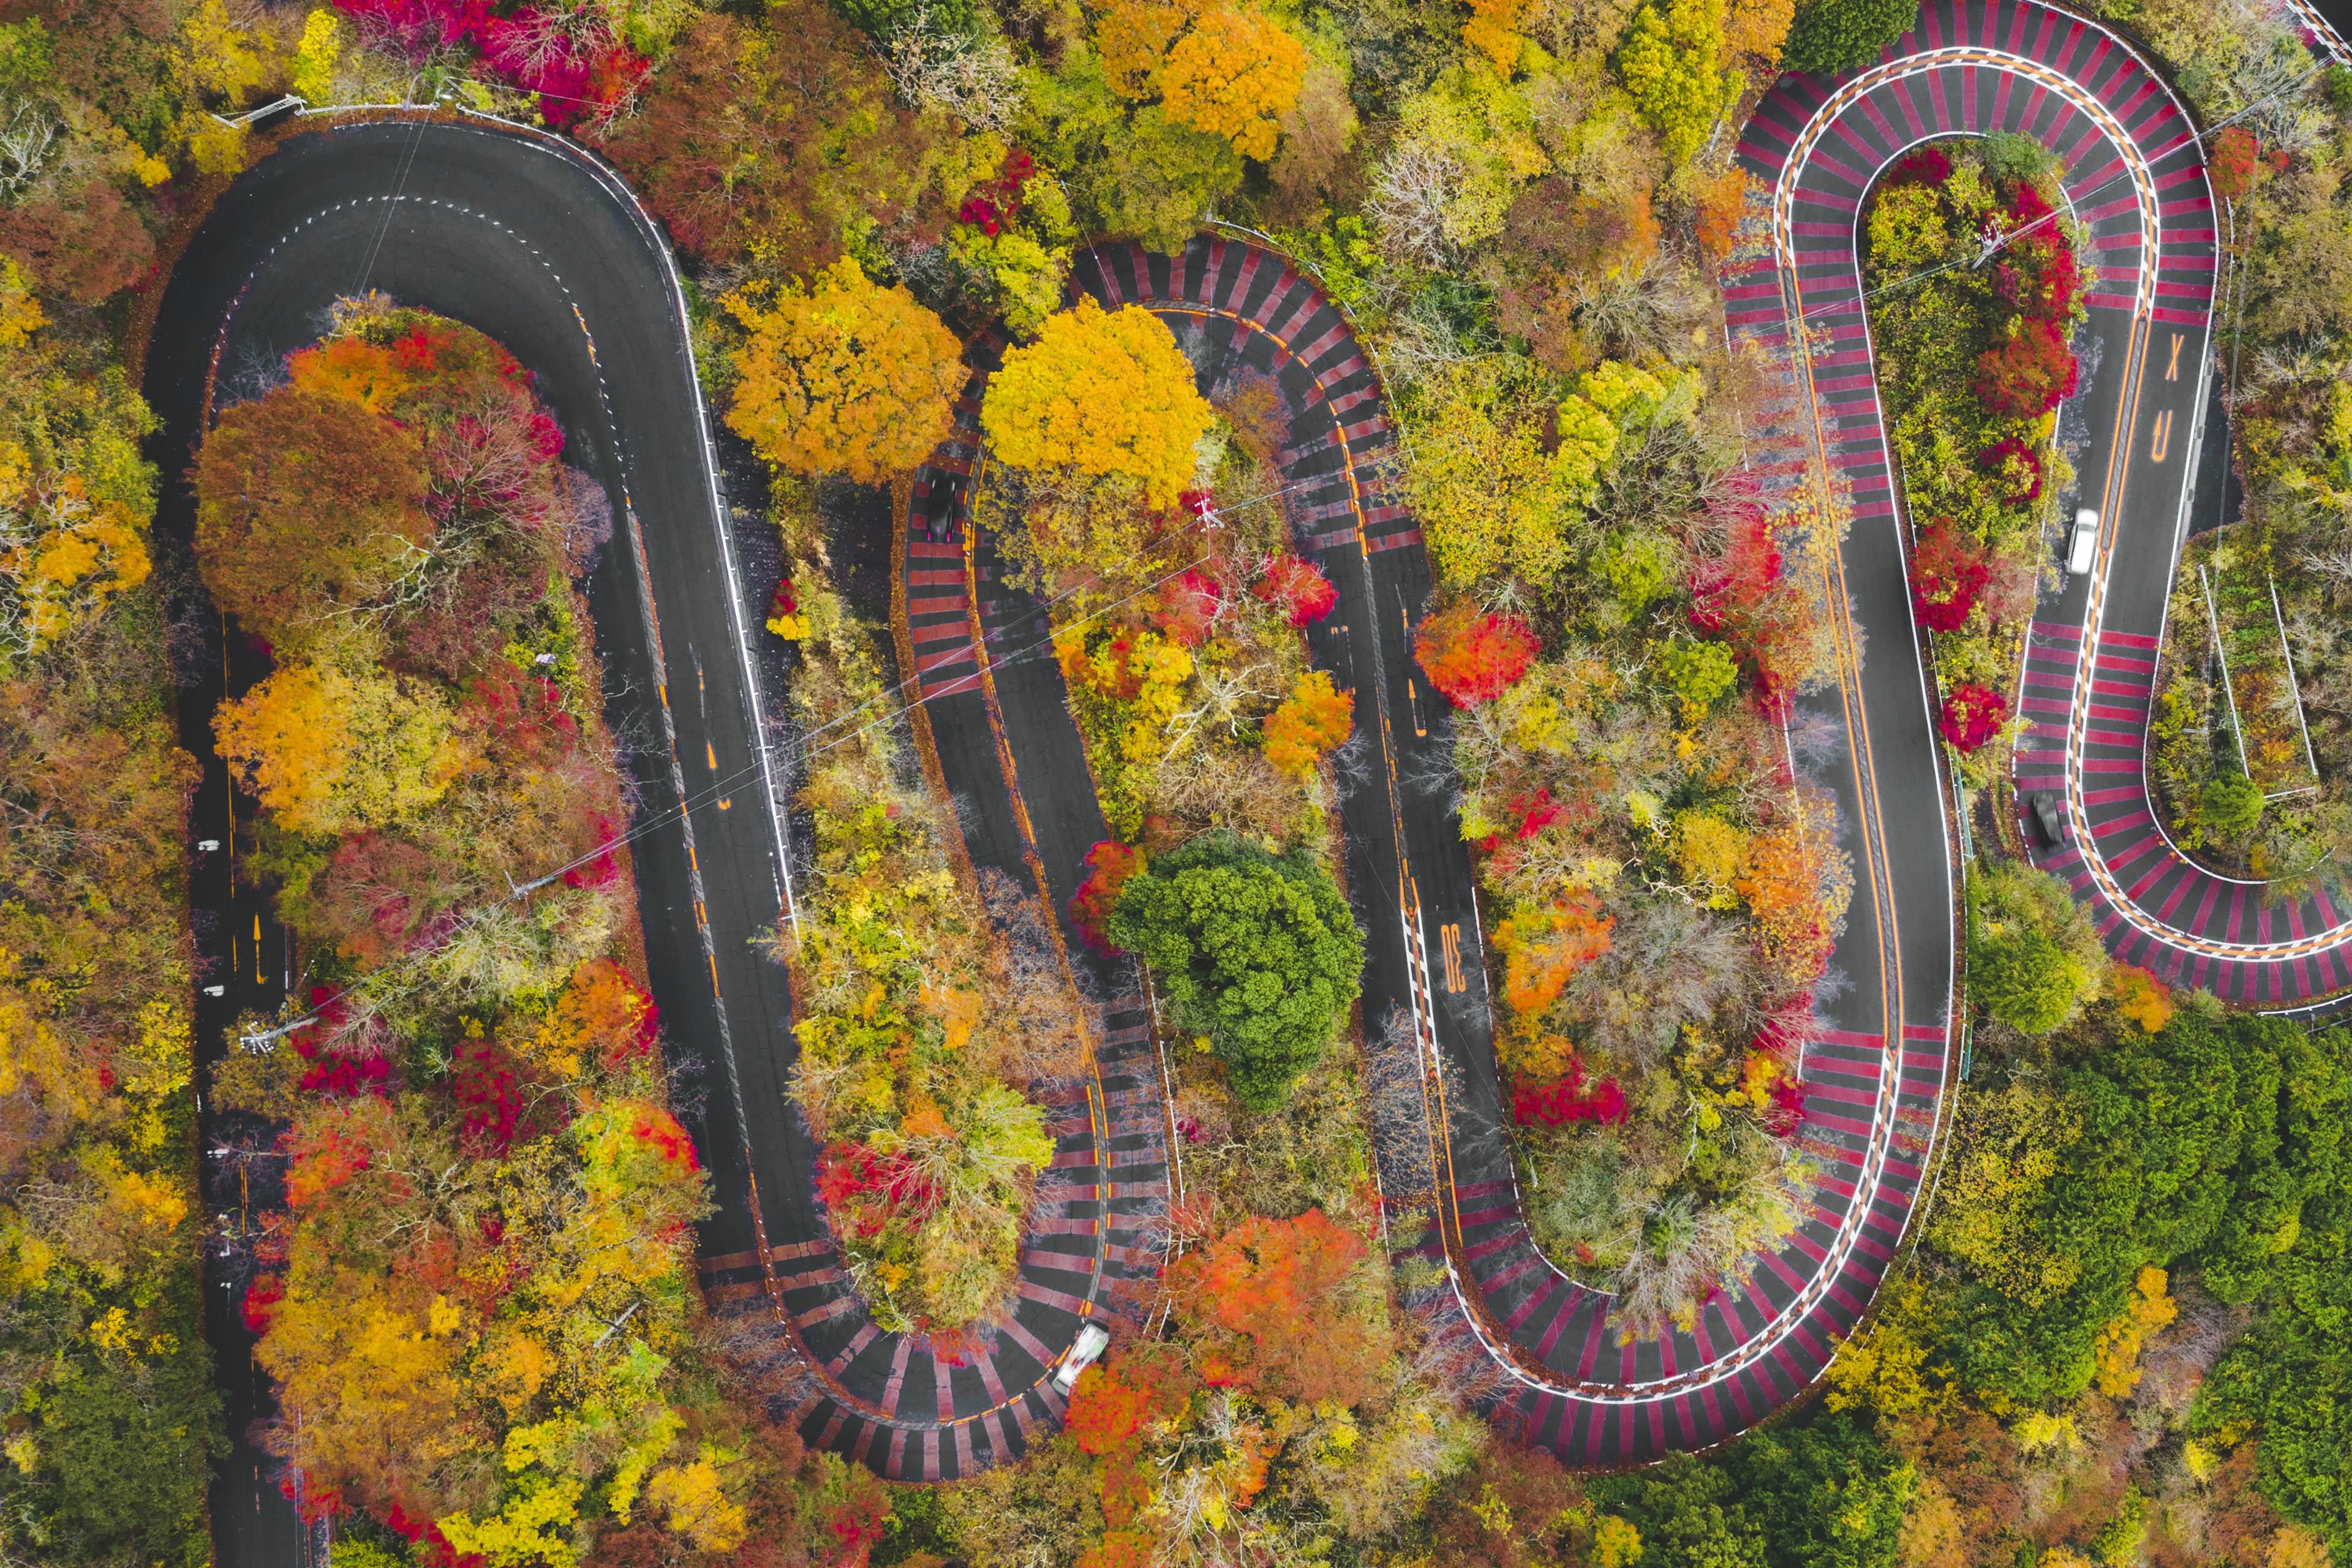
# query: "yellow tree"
[[1100, 393], [376, 1368], [1667, 61], [1490, 498], [63, 555], [847, 378], [316, 56], [334, 750], [1222, 70], [1492, 30]]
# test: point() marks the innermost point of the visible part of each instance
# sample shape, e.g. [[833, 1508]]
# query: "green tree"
[[1832, 35], [2229, 805], [123, 1439], [1131, 172], [2151, 1176], [2034, 957], [2294, 1088], [1827, 1495], [1667, 61], [1260, 956], [2024, 979], [1698, 673], [1688, 1514]]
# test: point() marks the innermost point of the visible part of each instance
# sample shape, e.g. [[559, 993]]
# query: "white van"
[[2086, 540]]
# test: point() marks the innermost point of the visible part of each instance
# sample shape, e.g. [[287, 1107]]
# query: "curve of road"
[[544, 249], [1877, 1060]]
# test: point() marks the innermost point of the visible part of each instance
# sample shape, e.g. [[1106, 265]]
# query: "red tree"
[[2024, 376], [1973, 715], [1948, 576], [1473, 658], [2237, 155], [1296, 588], [1108, 866], [1568, 1098], [1258, 1298], [1928, 166], [1188, 607]]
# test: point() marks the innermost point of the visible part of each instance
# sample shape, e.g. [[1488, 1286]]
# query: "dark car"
[[2046, 816]]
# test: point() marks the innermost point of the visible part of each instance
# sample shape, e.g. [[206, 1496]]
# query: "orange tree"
[[1222, 69], [498, 1262], [306, 503], [845, 378], [1313, 719]]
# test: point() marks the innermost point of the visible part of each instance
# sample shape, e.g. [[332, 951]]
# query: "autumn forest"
[[1316, 647]]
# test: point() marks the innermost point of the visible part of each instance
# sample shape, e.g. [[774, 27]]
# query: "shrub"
[[1948, 576], [1259, 956], [1927, 165], [1972, 716], [1571, 1098], [2018, 463]]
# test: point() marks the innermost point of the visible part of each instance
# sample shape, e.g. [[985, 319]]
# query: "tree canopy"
[[1828, 36], [1258, 955], [1099, 394], [845, 378], [306, 503]]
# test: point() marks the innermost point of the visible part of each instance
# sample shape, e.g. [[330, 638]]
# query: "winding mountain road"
[[1878, 1060], [534, 243]]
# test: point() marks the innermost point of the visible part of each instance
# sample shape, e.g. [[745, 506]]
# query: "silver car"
[[2086, 540], [1083, 1351]]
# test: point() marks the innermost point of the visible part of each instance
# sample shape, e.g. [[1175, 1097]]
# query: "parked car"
[[2046, 816], [1083, 1351], [2086, 540]]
